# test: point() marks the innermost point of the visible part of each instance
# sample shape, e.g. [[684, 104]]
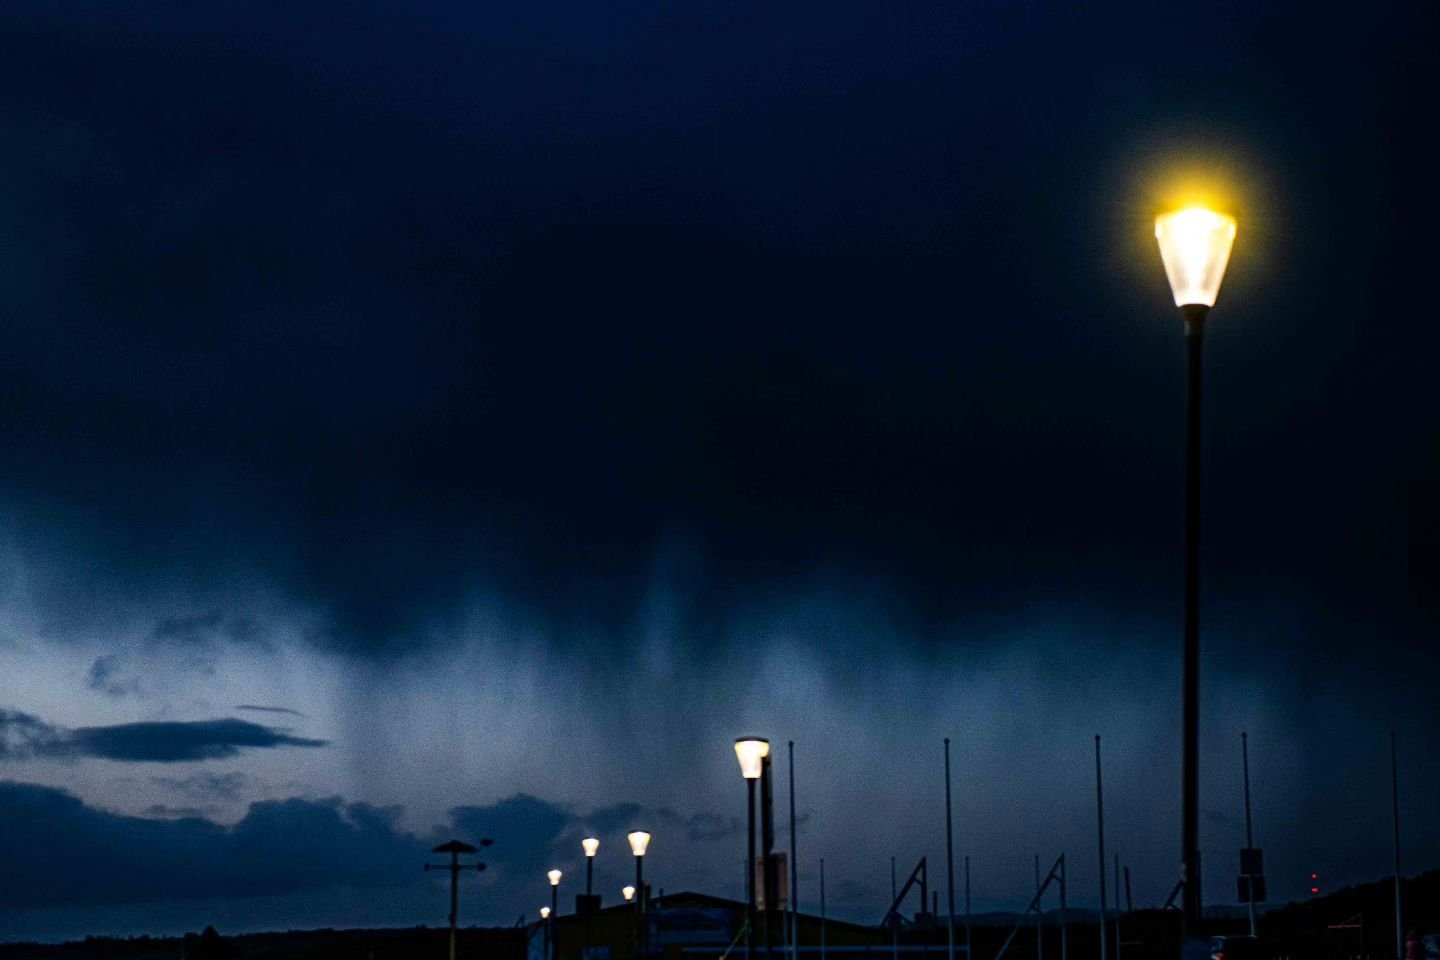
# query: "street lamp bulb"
[[628, 892], [544, 913], [639, 842], [751, 752], [591, 845], [554, 876], [1195, 246]]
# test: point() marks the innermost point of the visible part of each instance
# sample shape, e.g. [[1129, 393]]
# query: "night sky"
[[466, 419]]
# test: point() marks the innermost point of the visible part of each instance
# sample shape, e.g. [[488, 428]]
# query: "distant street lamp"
[[628, 893], [751, 752], [544, 913], [592, 846], [639, 843], [1195, 247], [554, 876]]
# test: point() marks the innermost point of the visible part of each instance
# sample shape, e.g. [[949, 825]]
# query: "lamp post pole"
[[949, 865], [753, 754], [1195, 246], [1249, 835], [639, 843], [1395, 810]]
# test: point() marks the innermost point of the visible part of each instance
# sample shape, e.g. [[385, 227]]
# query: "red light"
[[1314, 876], [1314, 889]]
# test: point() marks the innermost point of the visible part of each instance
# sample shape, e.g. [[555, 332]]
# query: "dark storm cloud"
[[277, 847], [23, 735], [335, 318]]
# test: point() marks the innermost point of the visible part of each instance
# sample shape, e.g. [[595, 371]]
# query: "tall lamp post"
[[592, 847], [1195, 247], [639, 843], [554, 876], [751, 752]]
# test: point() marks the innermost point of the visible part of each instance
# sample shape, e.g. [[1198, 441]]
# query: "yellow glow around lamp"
[[591, 845], [1195, 246], [544, 913], [554, 876], [628, 892]]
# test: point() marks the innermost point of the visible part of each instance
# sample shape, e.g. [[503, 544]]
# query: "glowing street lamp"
[[628, 893], [751, 752], [1195, 247], [554, 877], [544, 913], [592, 847]]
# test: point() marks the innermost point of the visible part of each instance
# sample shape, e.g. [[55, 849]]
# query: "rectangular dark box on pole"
[[1252, 861], [1244, 886]]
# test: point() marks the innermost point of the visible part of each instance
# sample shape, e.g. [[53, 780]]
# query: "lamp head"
[[554, 876], [639, 842], [751, 752], [628, 892], [1195, 245], [591, 845], [544, 913]]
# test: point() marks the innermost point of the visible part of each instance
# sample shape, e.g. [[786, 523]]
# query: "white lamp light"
[[628, 892], [1195, 246], [554, 876], [591, 845], [639, 841], [544, 913], [751, 752]]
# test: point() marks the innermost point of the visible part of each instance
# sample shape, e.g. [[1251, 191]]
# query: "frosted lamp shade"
[[1195, 246], [628, 893], [639, 841], [751, 752], [554, 876], [591, 845], [544, 913]]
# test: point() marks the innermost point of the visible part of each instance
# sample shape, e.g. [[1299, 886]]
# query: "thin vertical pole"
[[768, 879], [794, 866], [1064, 914], [454, 897], [1395, 810], [1039, 915], [949, 865], [822, 908], [1249, 835], [750, 874], [589, 876], [1100, 836], [1194, 316], [894, 917], [1117, 906], [554, 918], [969, 943]]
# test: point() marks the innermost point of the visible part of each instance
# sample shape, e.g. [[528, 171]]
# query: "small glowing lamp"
[[544, 913], [591, 845], [1195, 246], [628, 893], [554, 876], [751, 752], [639, 841]]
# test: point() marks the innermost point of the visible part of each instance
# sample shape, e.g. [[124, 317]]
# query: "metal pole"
[[969, 943], [589, 876], [1117, 906], [794, 867], [822, 908], [894, 917], [641, 932], [750, 874], [1249, 836], [1064, 915], [1039, 916], [768, 881], [1395, 810], [454, 897], [554, 918], [949, 865], [1100, 835], [1194, 316]]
